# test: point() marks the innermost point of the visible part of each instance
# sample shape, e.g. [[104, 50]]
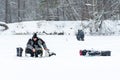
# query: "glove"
[[33, 50], [47, 50]]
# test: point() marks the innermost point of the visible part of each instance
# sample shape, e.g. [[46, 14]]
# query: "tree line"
[[59, 10]]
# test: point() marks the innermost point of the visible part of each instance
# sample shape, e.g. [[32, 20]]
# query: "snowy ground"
[[66, 65], [108, 27]]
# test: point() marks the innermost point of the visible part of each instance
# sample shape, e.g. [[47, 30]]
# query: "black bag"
[[105, 53], [19, 51], [94, 53], [80, 35]]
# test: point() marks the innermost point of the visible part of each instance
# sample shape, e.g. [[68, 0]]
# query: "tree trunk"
[[6, 11]]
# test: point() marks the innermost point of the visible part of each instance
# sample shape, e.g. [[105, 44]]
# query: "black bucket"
[[19, 51]]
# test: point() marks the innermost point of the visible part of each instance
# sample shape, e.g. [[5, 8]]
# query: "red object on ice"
[[80, 52]]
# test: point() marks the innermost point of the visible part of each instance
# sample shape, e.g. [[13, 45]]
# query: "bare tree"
[[97, 10], [19, 17], [6, 11]]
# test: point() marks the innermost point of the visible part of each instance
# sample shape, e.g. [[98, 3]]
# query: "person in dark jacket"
[[34, 46], [80, 35]]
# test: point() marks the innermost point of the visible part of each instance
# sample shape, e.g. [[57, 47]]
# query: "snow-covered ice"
[[66, 65]]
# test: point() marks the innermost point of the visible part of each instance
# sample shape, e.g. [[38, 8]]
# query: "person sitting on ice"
[[34, 46]]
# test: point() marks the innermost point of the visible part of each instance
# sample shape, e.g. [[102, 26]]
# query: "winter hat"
[[35, 35]]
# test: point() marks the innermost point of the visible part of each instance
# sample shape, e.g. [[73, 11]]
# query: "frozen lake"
[[66, 65]]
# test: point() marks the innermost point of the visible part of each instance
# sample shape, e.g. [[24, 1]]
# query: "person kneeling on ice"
[[34, 46]]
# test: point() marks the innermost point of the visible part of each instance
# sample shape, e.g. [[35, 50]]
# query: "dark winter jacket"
[[80, 34], [36, 44]]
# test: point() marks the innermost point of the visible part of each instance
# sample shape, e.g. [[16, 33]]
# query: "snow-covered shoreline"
[[64, 27]]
